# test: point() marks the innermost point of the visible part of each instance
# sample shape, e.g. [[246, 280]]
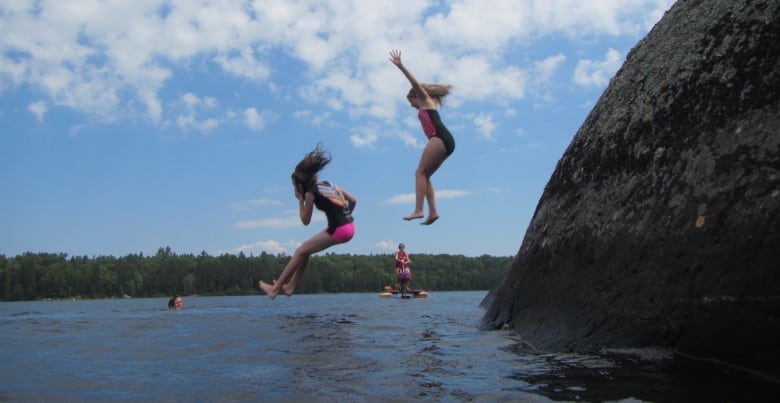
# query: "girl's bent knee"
[[301, 253]]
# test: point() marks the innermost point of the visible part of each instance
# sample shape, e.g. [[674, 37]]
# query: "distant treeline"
[[33, 276]]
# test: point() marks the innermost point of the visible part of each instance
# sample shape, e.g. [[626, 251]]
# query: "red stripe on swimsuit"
[[428, 127]]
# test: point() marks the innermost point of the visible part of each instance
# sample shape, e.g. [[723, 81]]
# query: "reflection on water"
[[354, 347]]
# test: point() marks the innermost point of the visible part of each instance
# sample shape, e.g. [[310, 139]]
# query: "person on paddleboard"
[[403, 271]]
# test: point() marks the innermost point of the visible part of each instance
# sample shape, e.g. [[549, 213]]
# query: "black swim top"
[[337, 215]]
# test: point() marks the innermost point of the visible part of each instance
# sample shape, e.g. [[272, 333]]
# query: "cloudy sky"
[[126, 126]]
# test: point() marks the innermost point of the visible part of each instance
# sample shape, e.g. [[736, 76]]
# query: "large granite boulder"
[[660, 225]]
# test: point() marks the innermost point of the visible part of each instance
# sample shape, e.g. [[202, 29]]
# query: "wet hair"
[[435, 91], [305, 173], [172, 301]]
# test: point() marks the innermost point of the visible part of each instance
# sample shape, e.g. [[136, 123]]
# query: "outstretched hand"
[[395, 57]]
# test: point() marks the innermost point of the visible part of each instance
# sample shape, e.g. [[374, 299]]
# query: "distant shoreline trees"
[[35, 276]]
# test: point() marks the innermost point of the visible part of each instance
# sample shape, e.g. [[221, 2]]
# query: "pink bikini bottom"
[[344, 233]]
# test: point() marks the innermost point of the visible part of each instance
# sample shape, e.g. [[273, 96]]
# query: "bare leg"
[[268, 288], [420, 188], [420, 185], [433, 214], [288, 288], [284, 286], [273, 289], [297, 265], [432, 157]]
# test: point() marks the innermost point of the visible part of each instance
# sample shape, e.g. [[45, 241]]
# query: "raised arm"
[[422, 95], [305, 206]]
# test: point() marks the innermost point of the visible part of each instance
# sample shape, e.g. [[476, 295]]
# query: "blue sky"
[[126, 126]]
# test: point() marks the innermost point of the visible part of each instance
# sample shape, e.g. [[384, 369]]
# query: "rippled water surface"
[[343, 347]]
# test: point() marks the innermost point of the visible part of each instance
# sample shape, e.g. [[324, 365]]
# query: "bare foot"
[[268, 288], [414, 216], [284, 288], [430, 220]]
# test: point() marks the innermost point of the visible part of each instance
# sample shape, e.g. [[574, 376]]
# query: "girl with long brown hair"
[[334, 201]]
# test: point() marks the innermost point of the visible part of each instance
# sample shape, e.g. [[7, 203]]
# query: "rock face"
[[660, 225]]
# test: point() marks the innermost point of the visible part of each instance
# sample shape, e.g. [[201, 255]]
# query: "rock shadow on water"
[[644, 374]]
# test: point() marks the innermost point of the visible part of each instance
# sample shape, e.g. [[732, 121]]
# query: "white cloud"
[[546, 68], [317, 119], [474, 24], [401, 199], [209, 124], [190, 121], [485, 126], [451, 194], [269, 246], [410, 139], [253, 118], [188, 109], [244, 64], [596, 73], [192, 101], [245, 206], [611, 17], [113, 60], [365, 139], [541, 78], [440, 194], [38, 109], [275, 223], [477, 78], [387, 245]]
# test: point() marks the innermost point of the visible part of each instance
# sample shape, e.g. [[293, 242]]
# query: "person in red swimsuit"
[[425, 98], [403, 273], [341, 227]]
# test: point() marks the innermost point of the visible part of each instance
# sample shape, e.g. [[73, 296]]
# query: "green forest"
[[35, 276]]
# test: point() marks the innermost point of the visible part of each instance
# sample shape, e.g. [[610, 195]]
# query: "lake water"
[[337, 347]]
